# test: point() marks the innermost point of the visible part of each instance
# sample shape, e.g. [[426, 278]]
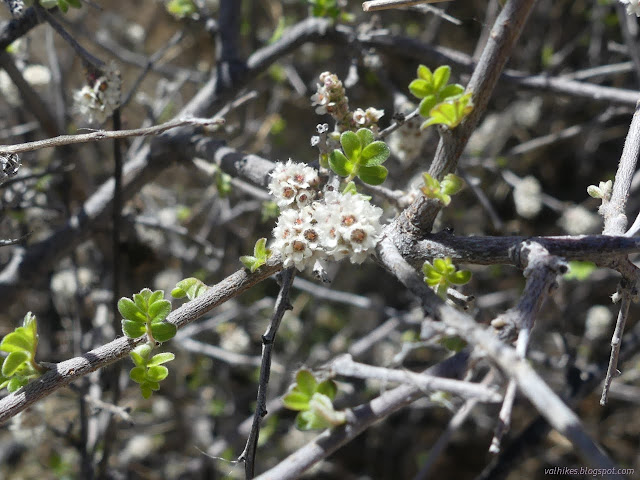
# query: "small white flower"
[[633, 7], [97, 102], [320, 99], [359, 117], [373, 115], [527, 196]]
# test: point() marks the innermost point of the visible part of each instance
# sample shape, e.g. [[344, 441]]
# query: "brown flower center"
[[358, 235]]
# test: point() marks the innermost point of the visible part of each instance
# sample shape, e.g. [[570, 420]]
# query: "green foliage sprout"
[[443, 274], [363, 157], [314, 401], [149, 371], [441, 103], [260, 256], [146, 315], [442, 191], [20, 365], [189, 287]]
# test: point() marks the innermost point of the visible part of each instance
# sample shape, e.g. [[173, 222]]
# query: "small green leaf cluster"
[[314, 402], [149, 371], [20, 365], [146, 314], [363, 157], [442, 191], [440, 103], [181, 8], [443, 274], [260, 255], [189, 287], [63, 5], [602, 191]]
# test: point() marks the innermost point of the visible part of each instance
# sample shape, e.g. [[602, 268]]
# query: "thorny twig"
[[248, 455], [541, 272], [615, 223]]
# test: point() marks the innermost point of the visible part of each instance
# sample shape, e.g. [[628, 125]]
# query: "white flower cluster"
[[97, 102], [633, 7], [293, 183], [335, 226]]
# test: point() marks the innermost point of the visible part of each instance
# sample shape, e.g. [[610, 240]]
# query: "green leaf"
[[75, 3], [161, 358], [137, 359], [16, 341], [376, 153], [310, 421], [373, 175], [163, 331], [365, 136], [441, 265], [146, 390], [425, 74], [189, 287], [350, 145], [460, 277], [252, 263], [328, 388], [155, 296], [452, 90], [441, 77], [15, 383], [133, 329], [30, 326], [296, 400], [306, 382], [451, 184], [159, 310], [426, 104], [143, 350], [339, 163], [260, 249], [130, 311], [350, 188], [322, 406], [420, 88], [155, 386], [137, 374], [63, 6], [13, 362], [157, 373]]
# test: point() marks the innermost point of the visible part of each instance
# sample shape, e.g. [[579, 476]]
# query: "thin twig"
[[375, 5], [107, 134], [346, 367], [616, 341], [248, 455]]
